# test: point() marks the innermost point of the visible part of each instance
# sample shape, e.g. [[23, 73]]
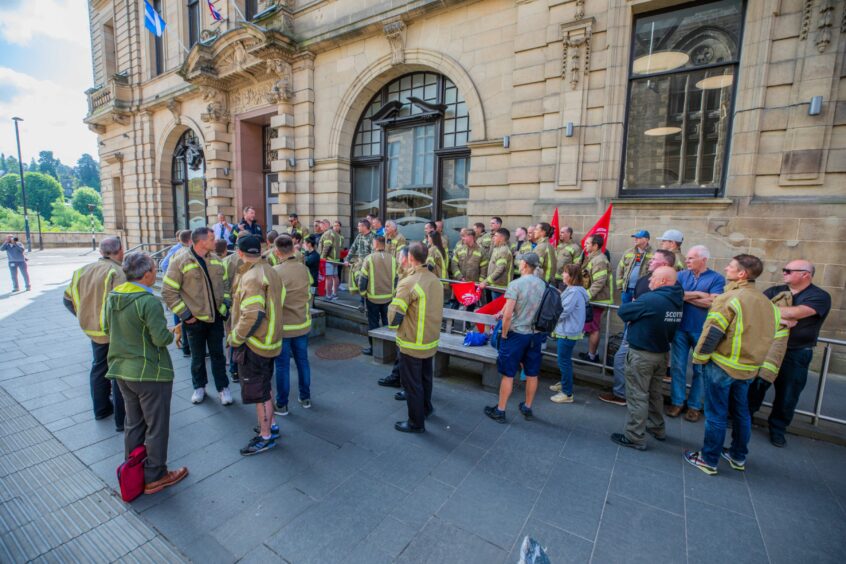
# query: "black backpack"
[[549, 311]]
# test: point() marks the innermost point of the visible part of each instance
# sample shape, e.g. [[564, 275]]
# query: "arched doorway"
[[410, 159], [189, 183]]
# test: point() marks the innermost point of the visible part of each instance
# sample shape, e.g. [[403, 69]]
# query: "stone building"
[[725, 119]]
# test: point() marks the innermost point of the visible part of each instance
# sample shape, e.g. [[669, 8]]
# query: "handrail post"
[[815, 419], [604, 359]]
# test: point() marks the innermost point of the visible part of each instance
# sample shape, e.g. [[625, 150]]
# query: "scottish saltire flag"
[[152, 20], [214, 13]]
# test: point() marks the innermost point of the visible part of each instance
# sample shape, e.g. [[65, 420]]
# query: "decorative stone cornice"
[[575, 60], [824, 23], [175, 108], [215, 99], [395, 34], [805, 26], [282, 89]]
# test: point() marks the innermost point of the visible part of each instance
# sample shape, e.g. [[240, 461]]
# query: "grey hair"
[[701, 250], [391, 222], [110, 246], [137, 264]]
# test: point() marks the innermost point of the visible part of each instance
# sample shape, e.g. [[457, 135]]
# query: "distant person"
[[247, 224], [499, 265], [17, 262], [296, 226], [545, 251], [223, 230], [652, 320], [569, 330], [596, 273], [805, 316], [140, 363], [377, 281], [269, 255], [672, 240], [631, 266], [86, 299], [312, 260], [567, 252], [183, 241], [741, 326]]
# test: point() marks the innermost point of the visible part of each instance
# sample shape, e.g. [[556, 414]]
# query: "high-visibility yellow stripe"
[[719, 319], [399, 304], [599, 273], [782, 333], [264, 346], [202, 317], [215, 261], [222, 309], [421, 312], [178, 307], [91, 333], [698, 356], [257, 299], [417, 347], [769, 366], [75, 290], [171, 282], [189, 267], [726, 361], [271, 323], [103, 304], [738, 329]]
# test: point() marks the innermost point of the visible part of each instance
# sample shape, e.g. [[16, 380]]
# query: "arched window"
[[189, 183], [410, 159]]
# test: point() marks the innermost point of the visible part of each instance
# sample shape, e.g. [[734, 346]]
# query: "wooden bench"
[[450, 344]]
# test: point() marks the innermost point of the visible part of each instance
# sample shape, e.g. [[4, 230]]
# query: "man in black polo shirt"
[[804, 318]]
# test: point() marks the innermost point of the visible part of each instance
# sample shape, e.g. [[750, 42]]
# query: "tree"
[[66, 218], [48, 164], [33, 166], [88, 171], [83, 196], [10, 191], [10, 165], [41, 191]]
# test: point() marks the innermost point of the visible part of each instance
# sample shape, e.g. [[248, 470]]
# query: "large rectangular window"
[[194, 22], [682, 81], [158, 45], [250, 9]]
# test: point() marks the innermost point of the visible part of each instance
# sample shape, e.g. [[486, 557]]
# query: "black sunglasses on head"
[[792, 270]]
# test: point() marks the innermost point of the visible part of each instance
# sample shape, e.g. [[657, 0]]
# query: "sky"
[[45, 68]]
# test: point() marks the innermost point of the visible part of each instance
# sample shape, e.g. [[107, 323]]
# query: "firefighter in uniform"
[[469, 261], [394, 242], [296, 226], [256, 336], [331, 243], [567, 253], [632, 267], [545, 251], [231, 265], [268, 254], [193, 289], [521, 248], [416, 313], [296, 316], [596, 274], [377, 282], [739, 330], [86, 299], [361, 247], [500, 267]]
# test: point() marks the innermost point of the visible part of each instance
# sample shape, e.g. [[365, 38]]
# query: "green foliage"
[[10, 190], [87, 171], [66, 218], [11, 220], [83, 196], [41, 192], [48, 164]]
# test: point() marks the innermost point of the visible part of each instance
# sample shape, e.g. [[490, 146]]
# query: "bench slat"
[[469, 316]]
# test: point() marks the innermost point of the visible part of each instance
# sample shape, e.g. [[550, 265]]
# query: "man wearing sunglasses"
[[805, 317]]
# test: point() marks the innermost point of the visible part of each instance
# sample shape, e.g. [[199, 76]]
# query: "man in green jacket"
[[140, 362]]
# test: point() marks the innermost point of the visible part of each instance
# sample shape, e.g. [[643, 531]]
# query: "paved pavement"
[[343, 486]]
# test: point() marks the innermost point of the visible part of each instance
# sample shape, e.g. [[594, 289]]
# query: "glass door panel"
[[410, 172], [196, 198], [365, 191], [454, 196]]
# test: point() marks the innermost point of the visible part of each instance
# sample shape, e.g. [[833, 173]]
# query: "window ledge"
[[676, 202]]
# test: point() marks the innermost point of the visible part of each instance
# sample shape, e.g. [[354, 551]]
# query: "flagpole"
[[237, 9]]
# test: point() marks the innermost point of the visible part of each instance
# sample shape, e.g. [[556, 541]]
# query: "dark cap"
[[250, 245], [532, 259]]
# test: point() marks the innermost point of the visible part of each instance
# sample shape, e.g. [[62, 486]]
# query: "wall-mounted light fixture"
[[311, 162], [292, 162], [506, 141], [568, 129], [815, 108], [226, 171]]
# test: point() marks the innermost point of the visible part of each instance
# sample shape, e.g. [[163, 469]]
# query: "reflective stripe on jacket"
[[626, 264], [420, 299], [186, 290], [548, 260], [467, 263], [87, 292], [500, 267], [380, 268], [566, 253], [257, 310], [296, 282], [596, 272], [749, 323]]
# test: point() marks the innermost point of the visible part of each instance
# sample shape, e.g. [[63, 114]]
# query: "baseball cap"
[[672, 235], [532, 259], [250, 245], [642, 233]]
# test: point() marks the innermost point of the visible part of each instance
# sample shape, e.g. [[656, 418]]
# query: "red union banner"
[[321, 278], [556, 228], [602, 227], [466, 292]]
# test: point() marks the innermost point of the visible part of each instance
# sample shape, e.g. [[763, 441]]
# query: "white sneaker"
[[561, 397], [225, 396], [198, 396], [556, 387]]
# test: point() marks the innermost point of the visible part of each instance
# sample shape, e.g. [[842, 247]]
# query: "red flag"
[[466, 292], [602, 227], [491, 308], [555, 228]]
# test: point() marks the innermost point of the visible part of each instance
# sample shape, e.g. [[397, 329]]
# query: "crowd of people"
[[251, 291]]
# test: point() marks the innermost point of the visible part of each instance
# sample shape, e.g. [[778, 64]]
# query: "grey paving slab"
[[634, 532], [715, 534], [441, 542], [649, 487], [559, 545], [423, 502]]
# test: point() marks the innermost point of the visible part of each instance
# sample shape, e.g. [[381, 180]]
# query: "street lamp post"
[[91, 208], [23, 185]]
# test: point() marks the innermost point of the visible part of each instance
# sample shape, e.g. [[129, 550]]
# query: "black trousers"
[[102, 387], [416, 378], [200, 336], [148, 423], [377, 316]]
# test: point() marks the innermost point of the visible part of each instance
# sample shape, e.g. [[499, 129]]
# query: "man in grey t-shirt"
[[17, 261], [519, 343]]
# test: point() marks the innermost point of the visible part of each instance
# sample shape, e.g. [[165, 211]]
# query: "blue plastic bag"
[[475, 339], [495, 334]]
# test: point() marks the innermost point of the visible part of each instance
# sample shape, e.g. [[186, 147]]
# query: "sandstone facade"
[[307, 69]]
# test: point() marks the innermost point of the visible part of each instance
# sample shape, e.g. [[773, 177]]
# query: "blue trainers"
[[494, 413], [274, 431], [526, 411], [257, 445]]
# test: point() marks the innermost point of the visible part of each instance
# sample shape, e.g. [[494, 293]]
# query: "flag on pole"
[[152, 20], [214, 13], [556, 228], [602, 227]]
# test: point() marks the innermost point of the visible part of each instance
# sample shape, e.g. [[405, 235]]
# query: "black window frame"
[[181, 181], [158, 45], [380, 161], [195, 23], [250, 9], [679, 193]]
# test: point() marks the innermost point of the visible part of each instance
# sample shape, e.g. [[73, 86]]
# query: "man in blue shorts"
[[519, 343]]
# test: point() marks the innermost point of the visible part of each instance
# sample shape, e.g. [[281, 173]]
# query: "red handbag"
[[130, 474]]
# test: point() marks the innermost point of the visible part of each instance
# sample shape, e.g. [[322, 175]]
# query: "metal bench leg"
[[490, 376], [384, 351], [441, 365]]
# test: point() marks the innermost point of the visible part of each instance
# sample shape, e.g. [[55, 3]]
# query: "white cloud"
[[52, 116], [58, 19]]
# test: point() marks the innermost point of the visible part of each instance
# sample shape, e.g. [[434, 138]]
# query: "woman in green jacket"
[[140, 362]]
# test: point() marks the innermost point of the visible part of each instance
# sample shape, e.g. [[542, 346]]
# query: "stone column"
[[283, 146], [308, 204], [218, 154]]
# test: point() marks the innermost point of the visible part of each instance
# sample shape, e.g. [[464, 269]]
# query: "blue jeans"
[[565, 363], [724, 395], [792, 377], [627, 295], [619, 389], [683, 343], [298, 347], [14, 267]]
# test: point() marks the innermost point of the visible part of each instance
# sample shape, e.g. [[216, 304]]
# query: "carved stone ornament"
[[251, 96], [395, 33], [824, 22], [580, 9], [175, 108], [215, 105], [575, 61], [807, 9], [282, 89]]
